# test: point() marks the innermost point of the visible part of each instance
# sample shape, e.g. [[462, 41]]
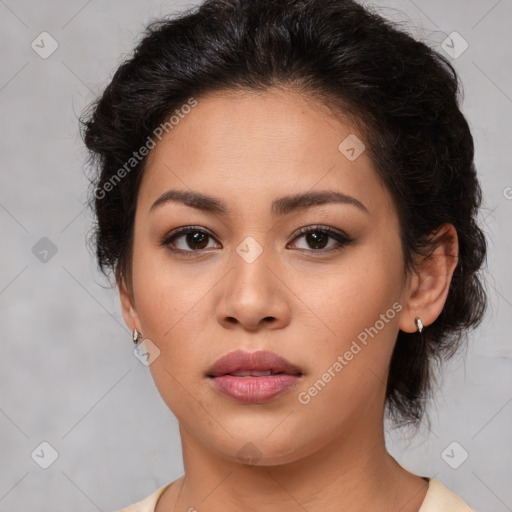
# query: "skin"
[[247, 149]]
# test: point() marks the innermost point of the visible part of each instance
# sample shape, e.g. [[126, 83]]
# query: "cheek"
[[352, 295], [167, 294], [167, 304], [358, 301], [349, 367]]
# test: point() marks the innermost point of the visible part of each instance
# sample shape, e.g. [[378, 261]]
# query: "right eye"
[[187, 239]]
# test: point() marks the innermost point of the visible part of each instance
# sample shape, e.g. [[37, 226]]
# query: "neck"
[[354, 473]]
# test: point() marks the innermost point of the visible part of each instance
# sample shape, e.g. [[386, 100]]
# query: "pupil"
[[316, 238], [194, 239]]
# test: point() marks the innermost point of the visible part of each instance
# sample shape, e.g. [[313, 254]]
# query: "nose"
[[254, 295]]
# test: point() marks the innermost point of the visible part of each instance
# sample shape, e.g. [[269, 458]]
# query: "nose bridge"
[[251, 260], [252, 292]]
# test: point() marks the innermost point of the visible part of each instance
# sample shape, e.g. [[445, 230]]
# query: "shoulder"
[[147, 504], [438, 499], [441, 499]]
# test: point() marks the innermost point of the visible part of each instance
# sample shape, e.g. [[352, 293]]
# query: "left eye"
[[317, 238]]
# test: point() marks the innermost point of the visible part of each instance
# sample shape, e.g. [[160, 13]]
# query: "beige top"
[[437, 499]]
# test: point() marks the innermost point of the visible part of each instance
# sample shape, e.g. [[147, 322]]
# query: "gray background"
[[68, 375]]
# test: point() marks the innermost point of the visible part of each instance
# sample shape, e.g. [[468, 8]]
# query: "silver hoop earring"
[[419, 324], [136, 336]]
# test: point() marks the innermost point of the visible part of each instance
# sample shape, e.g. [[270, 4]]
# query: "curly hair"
[[402, 94]]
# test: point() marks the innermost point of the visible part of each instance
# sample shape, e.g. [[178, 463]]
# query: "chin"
[[259, 450]]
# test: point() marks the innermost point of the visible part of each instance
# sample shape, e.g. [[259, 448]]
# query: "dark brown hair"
[[404, 94]]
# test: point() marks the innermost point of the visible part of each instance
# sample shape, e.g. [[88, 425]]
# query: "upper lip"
[[261, 360]]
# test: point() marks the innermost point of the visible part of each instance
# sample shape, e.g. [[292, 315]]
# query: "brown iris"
[[197, 238], [317, 239]]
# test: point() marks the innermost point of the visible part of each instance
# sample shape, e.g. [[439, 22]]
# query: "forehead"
[[247, 146]]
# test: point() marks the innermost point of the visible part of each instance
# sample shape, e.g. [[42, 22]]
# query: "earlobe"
[[428, 289], [127, 304]]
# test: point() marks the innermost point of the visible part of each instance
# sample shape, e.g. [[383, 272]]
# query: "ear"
[[429, 285], [127, 303]]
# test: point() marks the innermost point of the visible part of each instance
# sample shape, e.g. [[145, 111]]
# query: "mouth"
[[255, 373], [253, 378], [252, 364]]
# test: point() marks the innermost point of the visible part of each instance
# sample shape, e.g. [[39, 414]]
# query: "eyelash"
[[342, 239]]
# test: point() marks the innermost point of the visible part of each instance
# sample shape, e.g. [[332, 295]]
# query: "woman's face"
[[244, 278]]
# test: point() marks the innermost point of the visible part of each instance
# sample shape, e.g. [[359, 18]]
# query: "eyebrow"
[[280, 207]]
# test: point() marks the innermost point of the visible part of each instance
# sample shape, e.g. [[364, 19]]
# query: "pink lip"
[[253, 389]]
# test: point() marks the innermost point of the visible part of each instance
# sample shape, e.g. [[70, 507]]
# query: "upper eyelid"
[[319, 227], [298, 233]]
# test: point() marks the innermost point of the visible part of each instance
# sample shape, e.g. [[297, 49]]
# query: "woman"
[[286, 195]]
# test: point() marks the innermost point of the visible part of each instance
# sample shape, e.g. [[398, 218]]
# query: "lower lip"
[[254, 390]]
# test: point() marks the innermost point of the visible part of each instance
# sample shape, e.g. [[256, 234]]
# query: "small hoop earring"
[[136, 335], [419, 324]]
